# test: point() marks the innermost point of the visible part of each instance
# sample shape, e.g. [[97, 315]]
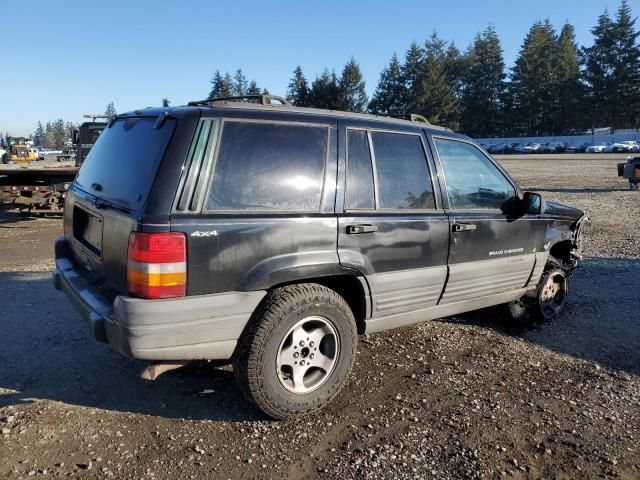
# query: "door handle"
[[364, 228], [463, 227]]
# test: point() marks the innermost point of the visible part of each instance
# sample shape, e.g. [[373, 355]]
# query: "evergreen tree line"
[[54, 135], [555, 87], [225, 85]]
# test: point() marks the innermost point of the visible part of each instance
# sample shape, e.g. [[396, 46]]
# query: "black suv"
[[271, 236]]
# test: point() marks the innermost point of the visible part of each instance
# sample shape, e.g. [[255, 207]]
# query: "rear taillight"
[[157, 265]]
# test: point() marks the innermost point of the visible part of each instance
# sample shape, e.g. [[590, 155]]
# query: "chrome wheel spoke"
[[287, 356], [323, 361], [315, 337], [298, 377]]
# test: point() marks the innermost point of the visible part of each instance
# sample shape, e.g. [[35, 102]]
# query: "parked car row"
[[630, 146]]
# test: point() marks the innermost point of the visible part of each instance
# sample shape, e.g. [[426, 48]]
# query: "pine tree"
[[298, 89], [216, 85], [49, 137], [410, 72], [253, 88], [38, 135], [599, 65], [626, 70], [390, 94], [60, 133], [69, 128], [227, 86], [434, 94], [454, 67], [325, 92], [569, 95], [483, 87], [533, 81], [240, 84], [221, 85], [166, 102], [352, 94], [111, 110]]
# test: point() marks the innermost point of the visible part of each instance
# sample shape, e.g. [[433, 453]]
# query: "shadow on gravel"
[[45, 353], [10, 218], [601, 322]]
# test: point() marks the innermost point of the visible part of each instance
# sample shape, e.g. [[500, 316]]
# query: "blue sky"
[[64, 59]]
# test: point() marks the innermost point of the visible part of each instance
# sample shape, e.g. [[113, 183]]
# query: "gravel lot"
[[458, 398]]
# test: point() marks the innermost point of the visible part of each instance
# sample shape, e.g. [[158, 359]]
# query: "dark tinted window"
[[95, 133], [264, 166], [124, 161], [359, 172], [402, 172], [473, 182]]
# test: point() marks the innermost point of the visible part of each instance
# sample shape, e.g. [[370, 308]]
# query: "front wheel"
[[548, 304], [297, 352]]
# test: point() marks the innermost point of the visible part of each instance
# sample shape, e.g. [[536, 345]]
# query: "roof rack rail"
[[412, 117], [262, 99]]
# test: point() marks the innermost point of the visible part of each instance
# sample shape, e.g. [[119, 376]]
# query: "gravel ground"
[[462, 397]]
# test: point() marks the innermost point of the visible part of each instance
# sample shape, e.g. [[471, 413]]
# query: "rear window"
[[402, 172], [268, 167], [123, 163]]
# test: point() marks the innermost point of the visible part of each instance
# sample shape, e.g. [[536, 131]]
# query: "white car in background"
[[623, 147], [601, 147]]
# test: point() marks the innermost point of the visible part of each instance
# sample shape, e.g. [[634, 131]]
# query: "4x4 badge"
[[210, 233]]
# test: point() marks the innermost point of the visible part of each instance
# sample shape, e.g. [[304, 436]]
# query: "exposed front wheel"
[[549, 302], [296, 354]]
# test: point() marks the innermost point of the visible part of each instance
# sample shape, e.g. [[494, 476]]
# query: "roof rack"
[[94, 116], [261, 99], [412, 117]]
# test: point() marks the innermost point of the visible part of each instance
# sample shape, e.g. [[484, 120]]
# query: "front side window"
[[473, 182], [268, 167], [402, 173]]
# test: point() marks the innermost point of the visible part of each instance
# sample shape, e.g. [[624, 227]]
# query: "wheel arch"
[[350, 285]]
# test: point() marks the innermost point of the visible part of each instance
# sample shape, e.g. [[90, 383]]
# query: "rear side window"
[[268, 167], [473, 182], [402, 173], [360, 192], [124, 161]]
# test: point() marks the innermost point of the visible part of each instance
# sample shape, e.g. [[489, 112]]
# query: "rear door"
[[391, 226], [253, 202], [491, 251]]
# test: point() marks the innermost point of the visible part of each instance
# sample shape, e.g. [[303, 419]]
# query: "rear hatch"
[[109, 194]]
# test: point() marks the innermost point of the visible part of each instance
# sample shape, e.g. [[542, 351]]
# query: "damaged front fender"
[[564, 242]]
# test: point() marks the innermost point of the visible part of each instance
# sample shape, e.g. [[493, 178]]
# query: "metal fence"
[[599, 135]]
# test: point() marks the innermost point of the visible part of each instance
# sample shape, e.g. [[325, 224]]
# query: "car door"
[[391, 225], [492, 250]]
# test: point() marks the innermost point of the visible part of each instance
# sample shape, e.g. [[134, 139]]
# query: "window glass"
[[473, 182], [264, 166], [360, 193], [401, 172], [124, 161]]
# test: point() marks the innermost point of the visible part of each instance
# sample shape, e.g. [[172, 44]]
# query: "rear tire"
[[548, 304], [296, 354]]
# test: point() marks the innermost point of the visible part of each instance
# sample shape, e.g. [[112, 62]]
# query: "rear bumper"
[[187, 328]]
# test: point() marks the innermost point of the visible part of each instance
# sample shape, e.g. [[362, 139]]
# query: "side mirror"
[[74, 137], [533, 203]]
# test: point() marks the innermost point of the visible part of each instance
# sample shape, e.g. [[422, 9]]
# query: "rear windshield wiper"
[[100, 203]]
